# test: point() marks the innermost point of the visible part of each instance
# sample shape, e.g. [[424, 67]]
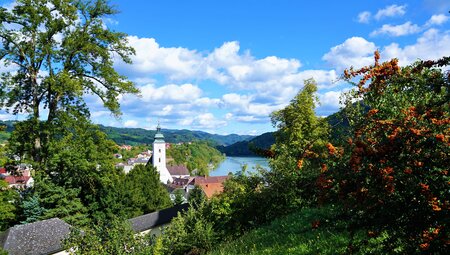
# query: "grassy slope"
[[293, 235]]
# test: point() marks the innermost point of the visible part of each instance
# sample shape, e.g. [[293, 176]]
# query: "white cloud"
[[130, 123], [6, 116], [355, 51], [433, 44], [391, 11], [364, 17], [206, 120], [245, 105], [330, 99], [150, 58], [438, 19], [397, 30], [228, 116], [171, 93]]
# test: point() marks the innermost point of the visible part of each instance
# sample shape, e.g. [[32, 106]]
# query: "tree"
[[300, 140], [32, 209], [393, 176], [179, 197], [8, 208], [189, 233], [114, 236], [61, 50], [196, 196], [142, 192]]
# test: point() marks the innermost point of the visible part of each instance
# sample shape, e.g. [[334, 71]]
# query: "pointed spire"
[[159, 137], [158, 128]]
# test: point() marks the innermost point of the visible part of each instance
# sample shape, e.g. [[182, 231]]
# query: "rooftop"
[[178, 170], [155, 219], [42, 237]]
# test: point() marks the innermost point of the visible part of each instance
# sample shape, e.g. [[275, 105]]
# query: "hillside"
[[308, 231], [136, 136], [133, 136], [246, 148], [339, 128]]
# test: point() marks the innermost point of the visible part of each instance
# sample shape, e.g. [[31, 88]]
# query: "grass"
[[294, 234]]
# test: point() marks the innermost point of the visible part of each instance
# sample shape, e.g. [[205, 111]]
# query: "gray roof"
[[141, 161], [42, 237], [178, 170], [155, 219]]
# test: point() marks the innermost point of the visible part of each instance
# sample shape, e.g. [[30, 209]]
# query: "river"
[[234, 164]]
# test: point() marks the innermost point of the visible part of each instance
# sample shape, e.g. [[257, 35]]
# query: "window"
[[159, 159], [159, 150]]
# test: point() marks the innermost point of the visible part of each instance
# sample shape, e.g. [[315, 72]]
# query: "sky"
[[224, 66]]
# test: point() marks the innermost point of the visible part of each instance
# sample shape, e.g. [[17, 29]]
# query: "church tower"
[[159, 157]]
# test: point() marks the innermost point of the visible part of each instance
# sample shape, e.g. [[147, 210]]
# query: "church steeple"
[[159, 156], [159, 137]]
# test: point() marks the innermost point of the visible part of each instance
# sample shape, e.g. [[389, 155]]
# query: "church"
[[158, 158]]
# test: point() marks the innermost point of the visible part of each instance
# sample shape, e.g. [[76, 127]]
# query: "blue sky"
[[224, 66]]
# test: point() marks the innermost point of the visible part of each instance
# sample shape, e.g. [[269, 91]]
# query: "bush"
[[393, 175]]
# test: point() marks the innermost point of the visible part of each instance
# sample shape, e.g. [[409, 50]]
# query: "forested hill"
[[133, 136], [339, 128], [246, 148]]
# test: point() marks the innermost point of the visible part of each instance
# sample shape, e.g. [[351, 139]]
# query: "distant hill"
[[339, 129], [246, 148], [6, 133], [133, 136]]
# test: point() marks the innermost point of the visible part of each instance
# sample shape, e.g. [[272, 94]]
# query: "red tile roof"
[[2, 170], [17, 179], [211, 185], [210, 179]]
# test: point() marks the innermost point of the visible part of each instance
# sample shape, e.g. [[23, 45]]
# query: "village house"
[[46, 237], [20, 178], [210, 185], [126, 147]]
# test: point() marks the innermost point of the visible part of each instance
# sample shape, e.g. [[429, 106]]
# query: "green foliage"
[[32, 209], [251, 147], [189, 232], [308, 231], [59, 58], [300, 139], [8, 205], [137, 136], [61, 202], [179, 197], [393, 175], [196, 196], [104, 238], [199, 157], [142, 192]]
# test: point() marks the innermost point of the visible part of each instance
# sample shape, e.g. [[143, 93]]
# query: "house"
[[178, 171], [152, 223], [118, 155], [46, 237], [20, 182], [41, 237], [125, 167], [210, 185], [126, 147]]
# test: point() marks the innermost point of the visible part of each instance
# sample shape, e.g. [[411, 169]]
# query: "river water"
[[234, 164]]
